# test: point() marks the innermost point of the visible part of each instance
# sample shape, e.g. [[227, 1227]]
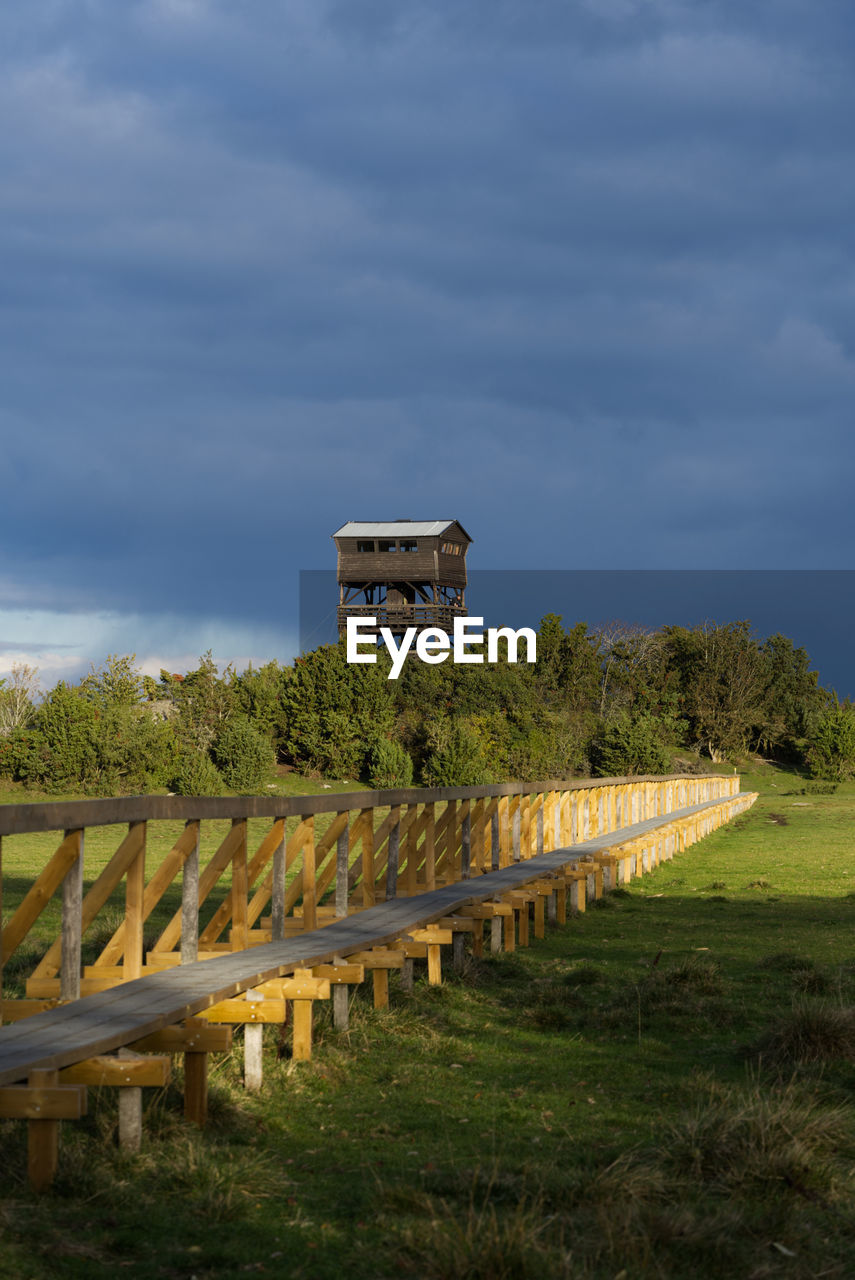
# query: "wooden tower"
[[404, 573]]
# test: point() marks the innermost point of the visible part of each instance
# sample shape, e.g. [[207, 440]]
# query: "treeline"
[[619, 700]]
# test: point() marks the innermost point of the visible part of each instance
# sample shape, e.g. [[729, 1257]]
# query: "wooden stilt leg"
[[381, 988], [42, 1137], [130, 1112], [540, 916], [253, 1069], [302, 1041], [196, 1088], [341, 1006], [434, 958]]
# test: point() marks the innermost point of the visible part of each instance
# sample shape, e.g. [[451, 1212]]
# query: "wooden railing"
[[312, 859], [400, 616], [356, 883]]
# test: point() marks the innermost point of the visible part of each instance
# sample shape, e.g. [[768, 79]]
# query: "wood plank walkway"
[[100, 1023]]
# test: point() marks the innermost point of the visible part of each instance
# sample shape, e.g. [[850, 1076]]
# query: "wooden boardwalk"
[[104, 1022]]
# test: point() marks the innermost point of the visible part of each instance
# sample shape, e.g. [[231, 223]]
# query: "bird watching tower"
[[404, 573]]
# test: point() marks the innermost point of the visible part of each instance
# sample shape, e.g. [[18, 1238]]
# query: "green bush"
[[831, 745], [628, 746], [243, 755], [196, 775], [59, 750], [135, 751], [75, 745], [390, 766], [336, 712], [456, 757]]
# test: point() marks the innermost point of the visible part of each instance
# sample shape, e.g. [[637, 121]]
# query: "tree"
[[117, 684], [456, 758], [628, 746], [390, 766], [203, 699], [791, 698], [336, 712], [243, 755], [831, 747], [720, 683], [259, 694], [17, 696], [632, 659]]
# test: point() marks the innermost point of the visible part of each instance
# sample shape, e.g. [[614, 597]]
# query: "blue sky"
[[579, 274]]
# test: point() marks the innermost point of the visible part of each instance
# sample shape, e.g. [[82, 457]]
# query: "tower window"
[[409, 546], [362, 545], [388, 546]]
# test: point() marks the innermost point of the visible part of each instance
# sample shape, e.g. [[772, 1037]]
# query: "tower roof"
[[396, 528]]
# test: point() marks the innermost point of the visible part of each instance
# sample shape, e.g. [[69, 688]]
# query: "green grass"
[[663, 1088]]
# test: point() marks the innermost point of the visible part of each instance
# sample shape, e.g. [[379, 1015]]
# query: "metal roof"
[[395, 528]]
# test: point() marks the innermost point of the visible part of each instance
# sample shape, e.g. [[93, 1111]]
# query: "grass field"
[[662, 1088]]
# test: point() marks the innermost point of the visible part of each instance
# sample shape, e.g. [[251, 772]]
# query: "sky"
[[577, 273]]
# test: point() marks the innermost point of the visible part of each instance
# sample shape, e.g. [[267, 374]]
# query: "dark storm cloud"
[[582, 270]]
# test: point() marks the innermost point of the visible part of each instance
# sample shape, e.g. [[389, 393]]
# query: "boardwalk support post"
[[253, 1044]]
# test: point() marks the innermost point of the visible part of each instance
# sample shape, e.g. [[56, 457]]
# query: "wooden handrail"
[[19, 819]]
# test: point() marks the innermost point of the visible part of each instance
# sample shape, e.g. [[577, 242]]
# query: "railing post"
[[310, 901], [239, 888], [504, 832], [466, 842], [366, 829], [429, 846], [277, 886], [516, 832], [190, 900], [342, 868], [411, 850], [450, 841], [494, 839], [72, 914], [393, 857], [134, 894], [479, 825], [525, 826]]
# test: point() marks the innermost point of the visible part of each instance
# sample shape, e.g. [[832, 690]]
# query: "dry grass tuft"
[[810, 1033], [758, 1138]]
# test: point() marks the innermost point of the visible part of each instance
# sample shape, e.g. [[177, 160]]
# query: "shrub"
[[455, 758], [135, 752], [628, 746], [73, 744], [831, 746], [196, 775], [59, 752], [335, 711], [243, 755], [390, 766]]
